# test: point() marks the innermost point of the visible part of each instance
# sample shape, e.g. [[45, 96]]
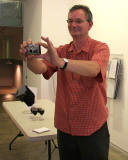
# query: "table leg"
[[48, 142], [49, 149], [18, 135]]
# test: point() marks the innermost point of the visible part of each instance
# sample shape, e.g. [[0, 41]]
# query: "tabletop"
[[26, 122]]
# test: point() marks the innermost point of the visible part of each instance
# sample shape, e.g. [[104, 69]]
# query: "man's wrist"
[[65, 63], [61, 63]]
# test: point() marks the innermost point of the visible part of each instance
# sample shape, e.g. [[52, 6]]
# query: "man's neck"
[[79, 42]]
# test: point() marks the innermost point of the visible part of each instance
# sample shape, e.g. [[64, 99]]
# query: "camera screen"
[[33, 49]]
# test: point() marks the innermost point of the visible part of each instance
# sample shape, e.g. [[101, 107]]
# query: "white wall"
[[111, 26], [54, 26], [32, 30]]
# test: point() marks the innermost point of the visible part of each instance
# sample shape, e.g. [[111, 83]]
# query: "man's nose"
[[74, 23]]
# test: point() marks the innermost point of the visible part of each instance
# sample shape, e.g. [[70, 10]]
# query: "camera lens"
[[30, 50]]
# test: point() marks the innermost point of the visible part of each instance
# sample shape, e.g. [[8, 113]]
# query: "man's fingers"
[[44, 45], [47, 40], [22, 49], [45, 56], [29, 41], [44, 38], [24, 44], [30, 56]]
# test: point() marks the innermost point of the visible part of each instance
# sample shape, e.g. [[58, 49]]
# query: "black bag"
[[24, 94]]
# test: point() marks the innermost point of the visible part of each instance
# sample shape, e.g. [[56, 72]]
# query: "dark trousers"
[[94, 147]]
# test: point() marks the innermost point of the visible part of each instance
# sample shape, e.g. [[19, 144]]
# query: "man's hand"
[[23, 50], [34, 64], [51, 54]]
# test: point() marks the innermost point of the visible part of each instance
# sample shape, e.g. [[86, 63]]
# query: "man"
[[80, 110]]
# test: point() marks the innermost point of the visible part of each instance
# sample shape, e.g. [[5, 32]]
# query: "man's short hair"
[[86, 9]]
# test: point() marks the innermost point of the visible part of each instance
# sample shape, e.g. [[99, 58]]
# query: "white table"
[[26, 121]]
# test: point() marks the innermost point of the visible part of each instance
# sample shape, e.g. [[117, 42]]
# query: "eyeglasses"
[[77, 21]]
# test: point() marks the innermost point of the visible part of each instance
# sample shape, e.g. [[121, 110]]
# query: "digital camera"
[[33, 49]]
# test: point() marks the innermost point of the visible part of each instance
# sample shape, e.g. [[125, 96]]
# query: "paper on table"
[[41, 130]]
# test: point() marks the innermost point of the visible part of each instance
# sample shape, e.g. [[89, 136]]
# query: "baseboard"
[[119, 149]]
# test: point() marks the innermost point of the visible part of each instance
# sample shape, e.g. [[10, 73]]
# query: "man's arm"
[[36, 66], [82, 67]]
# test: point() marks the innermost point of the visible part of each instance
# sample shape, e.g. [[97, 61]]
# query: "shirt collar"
[[85, 48]]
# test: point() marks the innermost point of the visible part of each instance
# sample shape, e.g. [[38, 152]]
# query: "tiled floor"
[[22, 149]]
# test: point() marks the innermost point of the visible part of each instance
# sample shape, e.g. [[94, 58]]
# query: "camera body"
[[33, 49]]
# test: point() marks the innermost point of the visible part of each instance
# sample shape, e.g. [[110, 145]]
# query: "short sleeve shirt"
[[80, 107]]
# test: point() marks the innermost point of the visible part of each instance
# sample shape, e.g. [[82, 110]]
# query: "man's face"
[[77, 23]]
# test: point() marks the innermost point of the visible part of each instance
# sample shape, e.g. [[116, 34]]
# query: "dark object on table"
[[36, 110], [24, 94]]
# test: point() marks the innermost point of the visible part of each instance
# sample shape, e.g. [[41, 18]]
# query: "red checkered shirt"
[[80, 107]]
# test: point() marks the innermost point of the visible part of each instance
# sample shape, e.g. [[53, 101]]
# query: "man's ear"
[[90, 25]]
